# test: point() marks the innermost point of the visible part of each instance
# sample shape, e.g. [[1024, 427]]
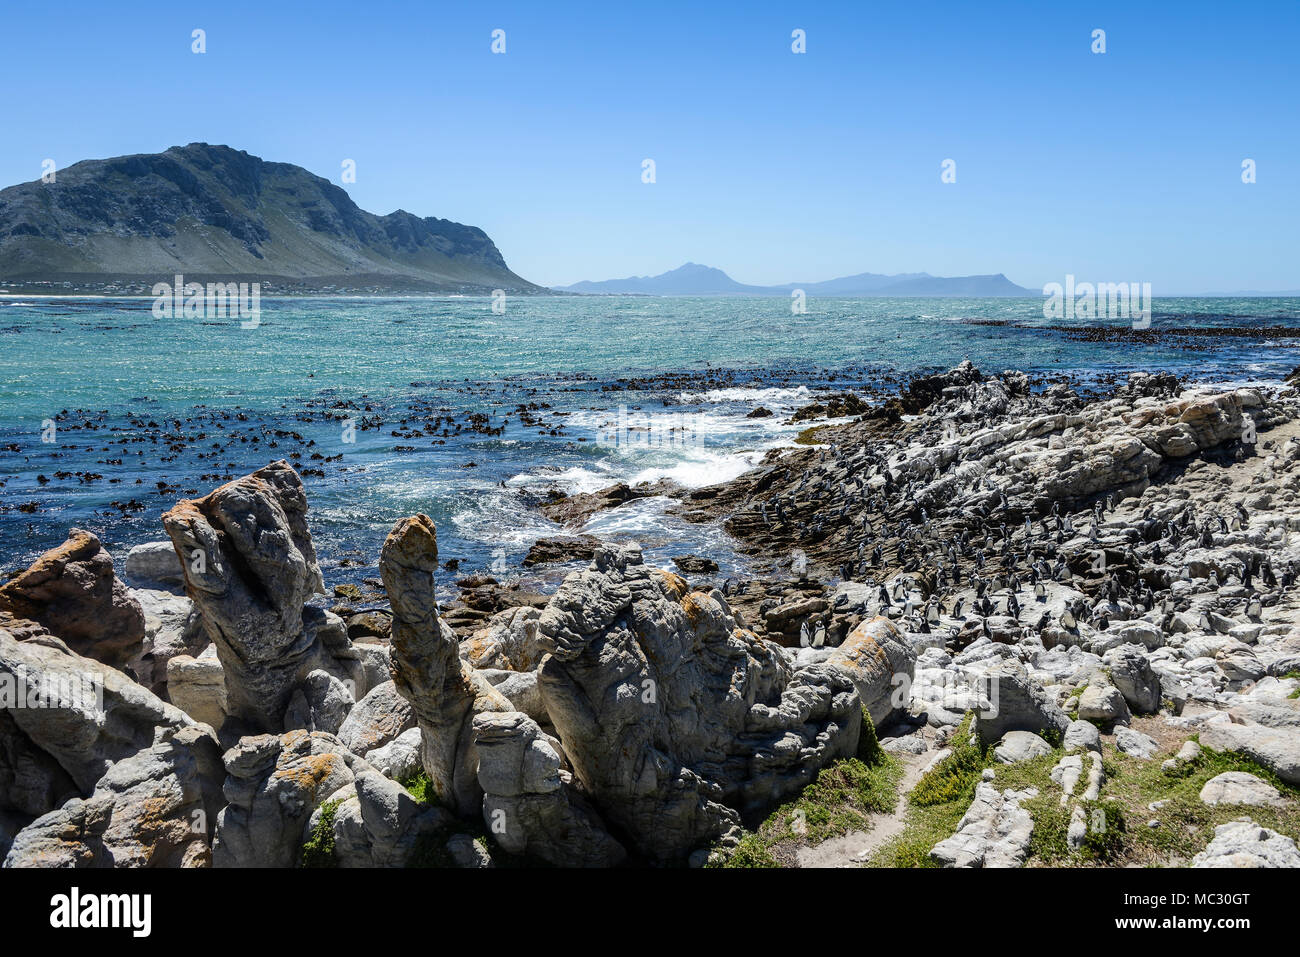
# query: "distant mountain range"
[[693, 279], [216, 213]]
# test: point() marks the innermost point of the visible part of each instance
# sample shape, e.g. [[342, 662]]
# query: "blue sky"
[[777, 167]]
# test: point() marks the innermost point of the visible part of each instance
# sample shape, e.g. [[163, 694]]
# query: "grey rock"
[[377, 719], [1245, 844], [153, 565], [1017, 703], [1135, 743], [994, 832], [1237, 787], [321, 702], [1017, 746]]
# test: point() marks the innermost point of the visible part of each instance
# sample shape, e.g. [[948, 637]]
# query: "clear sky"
[[774, 166]]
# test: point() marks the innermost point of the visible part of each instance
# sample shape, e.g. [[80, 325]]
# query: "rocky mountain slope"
[[216, 213]]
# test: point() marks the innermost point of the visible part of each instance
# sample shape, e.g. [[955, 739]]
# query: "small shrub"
[[318, 849]]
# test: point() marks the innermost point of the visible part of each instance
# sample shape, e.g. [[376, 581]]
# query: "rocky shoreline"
[[1035, 609]]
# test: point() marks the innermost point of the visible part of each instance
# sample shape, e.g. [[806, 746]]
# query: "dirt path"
[[856, 847]]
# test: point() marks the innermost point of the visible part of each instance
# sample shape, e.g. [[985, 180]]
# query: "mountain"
[[693, 279], [216, 213]]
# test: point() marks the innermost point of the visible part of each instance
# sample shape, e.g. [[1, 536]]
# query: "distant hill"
[[693, 279], [212, 212]]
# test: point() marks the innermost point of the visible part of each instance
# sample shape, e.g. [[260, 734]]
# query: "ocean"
[[109, 415]]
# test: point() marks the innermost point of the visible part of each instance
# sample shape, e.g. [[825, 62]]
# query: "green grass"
[[318, 849], [419, 787], [840, 799], [938, 801], [809, 436]]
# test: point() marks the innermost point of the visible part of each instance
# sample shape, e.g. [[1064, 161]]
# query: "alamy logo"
[[216, 300], [665, 430], [73, 910], [43, 690], [1103, 300]]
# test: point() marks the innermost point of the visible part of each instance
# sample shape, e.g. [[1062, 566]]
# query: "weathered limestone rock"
[[379, 824], [274, 784], [1017, 746], [674, 717], [881, 665], [1245, 844], [530, 805], [1276, 749], [994, 831], [1016, 702], [321, 702], [249, 567], [399, 759], [444, 691], [1237, 787], [155, 808], [83, 714], [71, 590], [508, 642], [377, 719], [198, 686], [1132, 675]]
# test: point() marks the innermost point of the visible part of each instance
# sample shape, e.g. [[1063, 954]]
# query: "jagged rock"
[[273, 784], [172, 627], [321, 702], [561, 548], [250, 567], [71, 590], [1016, 702], [881, 664], [152, 809], [83, 714], [31, 781], [672, 715], [1017, 746], [508, 642], [1132, 675], [467, 852], [379, 824], [444, 691], [1238, 787], [520, 689], [399, 759], [1245, 844], [154, 565], [198, 686], [531, 806], [377, 719], [994, 831]]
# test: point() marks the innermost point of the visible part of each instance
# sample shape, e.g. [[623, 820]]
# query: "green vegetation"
[[840, 799], [938, 801], [419, 787], [809, 436], [318, 850]]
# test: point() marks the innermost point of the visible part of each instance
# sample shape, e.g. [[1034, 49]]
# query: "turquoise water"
[[137, 401]]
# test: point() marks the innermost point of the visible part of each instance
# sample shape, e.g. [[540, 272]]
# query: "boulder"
[[1132, 675], [1017, 746], [673, 716], [155, 808], [198, 686], [1276, 749], [250, 567], [377, 719], [531, 807], [882, 665], [321, 702], [1238, 787], [1136, 743], [71, 591], [378, 824], [1016, 702], [154, 565], [1245, 844]]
